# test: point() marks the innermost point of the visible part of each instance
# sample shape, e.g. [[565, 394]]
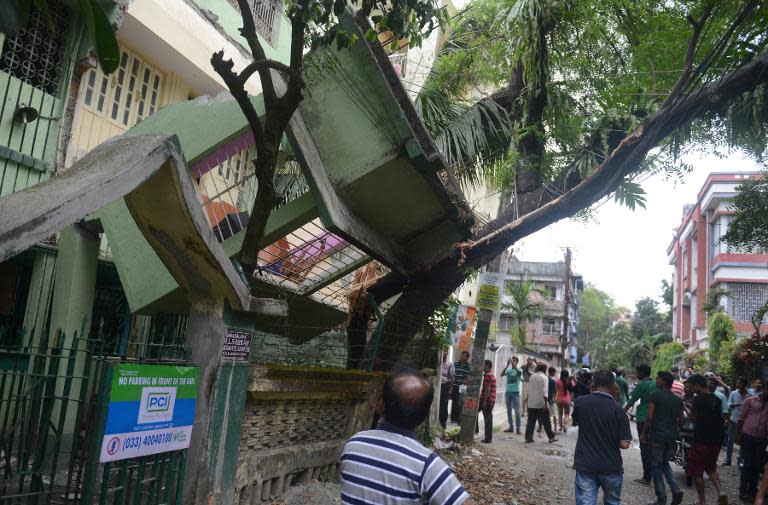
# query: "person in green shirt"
[[665, 413], [643, 391], [621, 381], [512, 393]]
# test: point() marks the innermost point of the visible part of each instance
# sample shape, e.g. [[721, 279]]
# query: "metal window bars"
[[265, 17], [312, 260], [227, 186], [35, 55]]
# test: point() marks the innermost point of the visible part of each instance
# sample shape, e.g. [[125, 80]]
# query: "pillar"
[[72, 305]]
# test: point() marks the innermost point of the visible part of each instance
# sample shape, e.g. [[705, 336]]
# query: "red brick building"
[[702, 262]]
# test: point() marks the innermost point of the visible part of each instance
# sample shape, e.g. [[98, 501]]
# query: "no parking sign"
[[151, 410]]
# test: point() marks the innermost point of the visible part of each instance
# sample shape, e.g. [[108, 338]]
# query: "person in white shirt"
[[538, 403], [447, 374]]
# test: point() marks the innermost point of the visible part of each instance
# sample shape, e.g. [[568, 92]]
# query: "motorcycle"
[[683, 447]]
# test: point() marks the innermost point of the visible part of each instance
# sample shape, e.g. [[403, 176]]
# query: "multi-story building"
[[702, 262], [555, 288]]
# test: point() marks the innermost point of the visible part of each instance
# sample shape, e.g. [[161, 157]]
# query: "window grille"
[[265, 17], [35, 54], [126, 97]]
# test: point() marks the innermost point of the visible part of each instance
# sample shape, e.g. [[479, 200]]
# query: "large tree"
[[591, 88]]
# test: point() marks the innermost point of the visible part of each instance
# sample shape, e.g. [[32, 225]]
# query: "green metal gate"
[[53, 391]]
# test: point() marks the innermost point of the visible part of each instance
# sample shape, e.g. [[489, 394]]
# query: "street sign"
[[491, 291], [151, 410], [237, 346]]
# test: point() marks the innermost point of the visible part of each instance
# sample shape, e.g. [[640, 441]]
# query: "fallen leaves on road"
[[490, 479]]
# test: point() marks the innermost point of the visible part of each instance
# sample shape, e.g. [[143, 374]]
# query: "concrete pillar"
[[39, 297], [72, 306], [205, 336], [210, 476]]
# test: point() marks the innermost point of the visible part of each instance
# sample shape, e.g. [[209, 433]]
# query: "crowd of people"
[[666, 408]]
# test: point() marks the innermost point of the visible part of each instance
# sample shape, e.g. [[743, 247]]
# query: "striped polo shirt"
[[388, 466]]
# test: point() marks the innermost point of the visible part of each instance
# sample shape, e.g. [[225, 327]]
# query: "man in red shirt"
[[488, 400]]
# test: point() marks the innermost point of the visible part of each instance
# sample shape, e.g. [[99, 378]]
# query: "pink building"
[[702, 262]]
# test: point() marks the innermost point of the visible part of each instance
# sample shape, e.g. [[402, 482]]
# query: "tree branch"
[[685, 77], [497, 236], [298, 26], [248, 31], [255, 66], [235, 84]]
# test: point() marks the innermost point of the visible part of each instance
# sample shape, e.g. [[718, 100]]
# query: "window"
[[507, 322], [550, 292], [550, 326], [127, 96], [265, 17], [685, 263], [35, 54]]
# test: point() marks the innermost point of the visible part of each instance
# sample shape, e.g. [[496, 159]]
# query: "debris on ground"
[[493, 480], [312, 493]]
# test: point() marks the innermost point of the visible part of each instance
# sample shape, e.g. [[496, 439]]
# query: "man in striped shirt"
[[488, 400], [388, 466]]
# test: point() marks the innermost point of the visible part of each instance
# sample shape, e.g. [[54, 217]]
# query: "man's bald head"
[[407, 398]]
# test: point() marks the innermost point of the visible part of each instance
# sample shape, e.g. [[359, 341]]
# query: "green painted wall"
[[227, 417], [27, 152], [144, 278], [231, 21], [201, 124]]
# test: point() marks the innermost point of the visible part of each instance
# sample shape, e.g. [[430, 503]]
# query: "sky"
[[624, 252]]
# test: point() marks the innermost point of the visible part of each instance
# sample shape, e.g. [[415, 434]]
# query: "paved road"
[[543, 459]]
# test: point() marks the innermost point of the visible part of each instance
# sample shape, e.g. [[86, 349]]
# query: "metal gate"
[[52, 391]]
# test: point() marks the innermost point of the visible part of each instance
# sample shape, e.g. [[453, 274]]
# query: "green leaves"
[[101, 33], [405, 22], [630, 194], [470, 135], [523, 309]]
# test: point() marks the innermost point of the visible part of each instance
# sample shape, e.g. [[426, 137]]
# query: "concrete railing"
[[296, 423]]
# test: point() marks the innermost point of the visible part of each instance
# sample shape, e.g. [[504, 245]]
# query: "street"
[[551, 464], [530, 474]]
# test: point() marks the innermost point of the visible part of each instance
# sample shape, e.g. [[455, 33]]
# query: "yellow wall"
[[93, 125]]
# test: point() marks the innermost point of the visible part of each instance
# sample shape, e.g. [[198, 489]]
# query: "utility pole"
[[477, 358], [476, 364], [567, 302]]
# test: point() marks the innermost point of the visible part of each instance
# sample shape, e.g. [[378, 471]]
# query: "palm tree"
[[524, 309]]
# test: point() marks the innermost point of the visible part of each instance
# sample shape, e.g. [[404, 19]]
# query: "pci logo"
[[156, 404]]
